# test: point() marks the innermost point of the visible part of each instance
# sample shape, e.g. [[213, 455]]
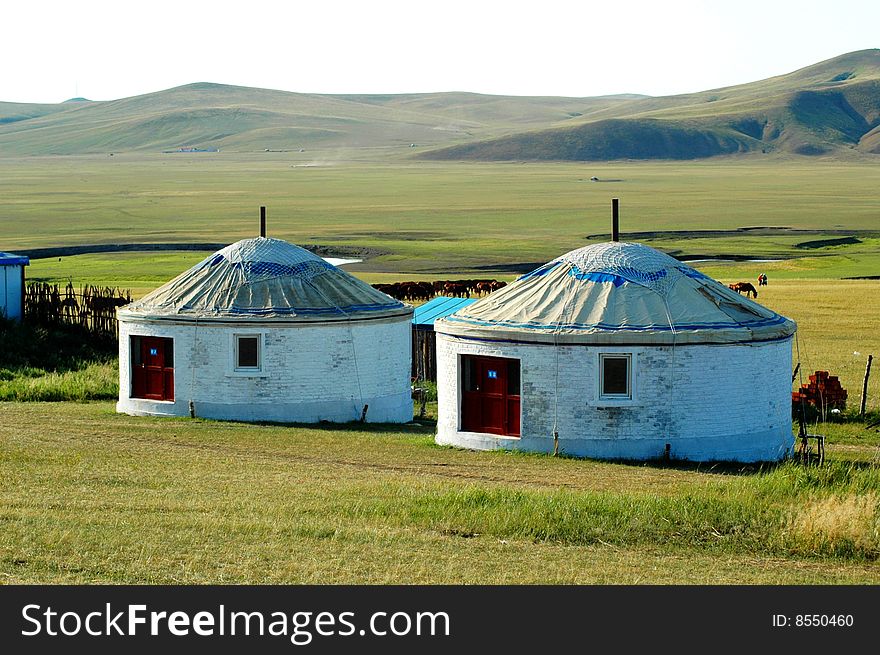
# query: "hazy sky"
[[104, 50]]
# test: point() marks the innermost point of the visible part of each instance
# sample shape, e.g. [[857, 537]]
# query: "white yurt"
[[617, 351], [264, 330]]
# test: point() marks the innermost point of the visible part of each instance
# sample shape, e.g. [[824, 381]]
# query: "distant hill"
[[822, 109], [247, 119], [825, 109], [14, 112]]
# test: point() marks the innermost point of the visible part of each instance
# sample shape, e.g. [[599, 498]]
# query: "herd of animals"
[[415, 291]]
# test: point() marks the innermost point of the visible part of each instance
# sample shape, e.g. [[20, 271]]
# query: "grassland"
[[38, 363], [91, 496], [442, 217]]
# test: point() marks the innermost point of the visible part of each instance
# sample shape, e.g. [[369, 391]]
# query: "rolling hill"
[[825, 109], [248, 119], [822, 109]]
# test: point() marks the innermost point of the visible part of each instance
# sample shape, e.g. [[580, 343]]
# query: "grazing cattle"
[[415, 291], [483, 287], [488, 286], [746, 287], [457, 290]]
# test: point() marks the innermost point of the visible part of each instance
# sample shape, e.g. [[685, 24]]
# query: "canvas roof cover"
[[617, 293], [263, 279]]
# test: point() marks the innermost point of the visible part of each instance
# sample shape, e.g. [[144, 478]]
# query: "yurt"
[[264, 330], [617, 351]]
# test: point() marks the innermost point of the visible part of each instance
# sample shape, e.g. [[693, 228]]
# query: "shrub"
[[64, 363]]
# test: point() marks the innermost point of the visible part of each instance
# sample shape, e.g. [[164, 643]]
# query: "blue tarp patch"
[[271, 269], [615, 275]]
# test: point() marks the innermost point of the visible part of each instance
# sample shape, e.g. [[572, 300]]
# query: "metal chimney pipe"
[[262, 221], [615, 219]]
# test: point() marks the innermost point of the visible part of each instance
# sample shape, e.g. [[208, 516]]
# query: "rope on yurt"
[[192, 369], [671, 404], [354, 356]]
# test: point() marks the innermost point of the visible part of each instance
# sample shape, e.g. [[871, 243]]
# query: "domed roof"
[[617, 293], [263, 279]]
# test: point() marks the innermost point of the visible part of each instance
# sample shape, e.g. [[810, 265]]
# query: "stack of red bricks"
[[823, 390]]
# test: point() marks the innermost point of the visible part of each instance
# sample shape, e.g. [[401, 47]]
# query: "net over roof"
[[265, 278], [617, 293]]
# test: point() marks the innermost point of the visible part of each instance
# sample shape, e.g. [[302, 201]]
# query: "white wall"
[[709, 402], [10, 291], [310, 373]]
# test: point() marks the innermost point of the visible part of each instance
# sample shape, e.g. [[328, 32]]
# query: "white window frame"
[[241, 371], [616, 398]]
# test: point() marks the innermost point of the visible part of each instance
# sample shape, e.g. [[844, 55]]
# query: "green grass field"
[[92, 496], [441, 218]]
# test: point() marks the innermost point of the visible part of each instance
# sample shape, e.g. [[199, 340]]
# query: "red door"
[[152, 368], [490, 395]]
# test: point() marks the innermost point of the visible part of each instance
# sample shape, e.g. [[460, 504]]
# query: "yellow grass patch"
[[839, 524]]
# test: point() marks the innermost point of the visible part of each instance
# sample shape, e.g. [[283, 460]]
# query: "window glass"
[[512, 377], [248, 352], [136, 351], [469, 374], [615, 375]]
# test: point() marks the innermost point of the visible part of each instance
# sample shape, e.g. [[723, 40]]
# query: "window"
[[247, 352], [615, 376]]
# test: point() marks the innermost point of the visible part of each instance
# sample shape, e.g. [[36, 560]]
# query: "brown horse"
[[748, 287]]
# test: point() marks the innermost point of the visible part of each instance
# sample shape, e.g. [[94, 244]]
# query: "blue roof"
[[8, 259], [439, 307]]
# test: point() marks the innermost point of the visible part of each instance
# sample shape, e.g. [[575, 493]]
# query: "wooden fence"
[[424, 353], [90, 308]]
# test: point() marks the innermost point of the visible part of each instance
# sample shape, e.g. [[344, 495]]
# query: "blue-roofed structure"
[[440, 307], [8, 259], [12, 285]]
